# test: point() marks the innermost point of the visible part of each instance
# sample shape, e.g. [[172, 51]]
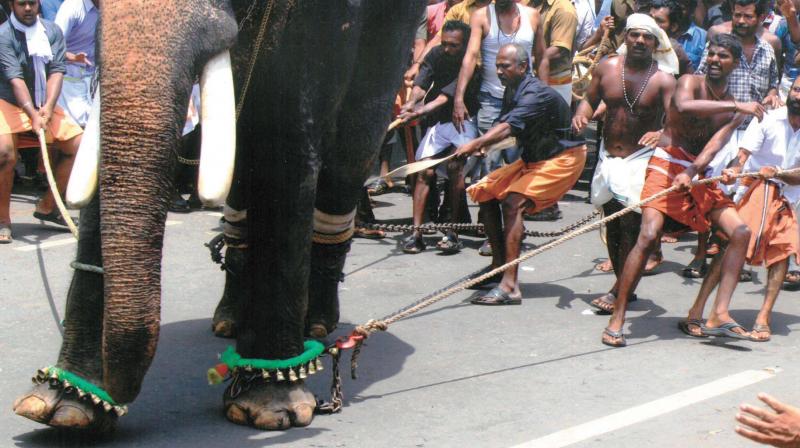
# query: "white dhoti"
[[76, 94], [620, 178], [442, 138]]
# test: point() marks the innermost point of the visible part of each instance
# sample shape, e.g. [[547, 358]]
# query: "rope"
[[87, 267], [53, 187], [582, 58], [373, 325], [466, 227]]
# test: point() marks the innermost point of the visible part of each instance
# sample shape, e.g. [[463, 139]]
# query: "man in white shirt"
[[767, 204], [78, 21]]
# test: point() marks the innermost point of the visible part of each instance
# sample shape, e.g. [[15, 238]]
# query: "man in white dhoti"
[[78, 21]]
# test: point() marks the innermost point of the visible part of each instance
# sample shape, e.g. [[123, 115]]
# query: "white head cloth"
[[664, 55], [41, 53]]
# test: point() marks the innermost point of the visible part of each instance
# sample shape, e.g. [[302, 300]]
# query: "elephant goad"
[[312, 119]]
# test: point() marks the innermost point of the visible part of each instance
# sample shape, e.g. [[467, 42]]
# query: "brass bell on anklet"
[[319, 365], [265, 375], [107, 407], [302, 373], [279, 376], [96, 399], [292, 375], [312, 369]]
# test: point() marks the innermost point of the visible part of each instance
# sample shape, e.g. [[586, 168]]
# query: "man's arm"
[[606, 24], [790, 14], [563, 26], [55, 75], [772, 100], [419, 47], [468, 67], [538, 50], [685, 102], [494, 135], [591, 99], [718, 140]]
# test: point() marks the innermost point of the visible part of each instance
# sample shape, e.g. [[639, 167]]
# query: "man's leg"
[[513, 206], [493, 227], [61, 172], [455, 174], [8, 159], [775, 275], [646, 243], [731, 264], [414, 244], [620, 241]]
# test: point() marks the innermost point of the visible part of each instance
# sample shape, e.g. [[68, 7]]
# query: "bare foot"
[[652, 263], [605, 303], [271, 406], [54, 407], [605, 266]]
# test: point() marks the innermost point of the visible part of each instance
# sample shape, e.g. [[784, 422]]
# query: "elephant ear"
[[218, 117], [83, 180]]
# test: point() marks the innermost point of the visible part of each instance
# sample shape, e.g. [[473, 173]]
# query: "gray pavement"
[[451, 375]]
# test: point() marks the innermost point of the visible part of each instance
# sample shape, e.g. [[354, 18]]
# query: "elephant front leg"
[[331, 243], [226, 315], [49, 402]]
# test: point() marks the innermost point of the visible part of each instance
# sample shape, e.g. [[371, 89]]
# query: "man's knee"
[[8, 156], [741, 234], [513, 203], [648, 237]]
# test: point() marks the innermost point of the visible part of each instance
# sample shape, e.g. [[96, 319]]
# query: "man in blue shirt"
[[789, 33], [78, 21], [50, 8], [31, 71], [674, 18]]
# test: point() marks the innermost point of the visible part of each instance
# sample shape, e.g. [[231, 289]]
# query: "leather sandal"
[[496, 297], [413, 245]]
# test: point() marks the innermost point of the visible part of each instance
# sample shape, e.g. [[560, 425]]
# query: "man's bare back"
[[624, 128], [688, 130]]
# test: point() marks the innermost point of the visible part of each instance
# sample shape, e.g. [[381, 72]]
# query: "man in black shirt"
[[437, 81], [552, 160]]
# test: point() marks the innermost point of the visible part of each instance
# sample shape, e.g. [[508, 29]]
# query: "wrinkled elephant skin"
[[311, 124]]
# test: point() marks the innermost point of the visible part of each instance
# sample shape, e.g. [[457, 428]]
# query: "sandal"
[[486, 249], [606, 307], [496, 297], [378, 187], [413, 244], [370, 234], [695, 269], [52, 217], [450, 243], [5, 234], [685, 324], [725, 331], [792, 279], [617, 335], [745, 276], [758, 328]]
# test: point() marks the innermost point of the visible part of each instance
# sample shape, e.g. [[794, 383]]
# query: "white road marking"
[[66, 241], [638, 414]]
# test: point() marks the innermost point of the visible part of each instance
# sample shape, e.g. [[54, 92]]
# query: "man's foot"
[[5, 234], [760, 333], [52, 217], [653, 262], [696, 269], [486, 249], [450, 243], [497, 297], [669, 238], [605, 266], [729, 329], [548, 214], [378, 187], [604, 303], [792, 280], [692, 327], [745, 276], [413, 244], [613, 338], [713, 249], [370, 234]]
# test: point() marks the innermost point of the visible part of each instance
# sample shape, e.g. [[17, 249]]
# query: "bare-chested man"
[[700, 120], [633, 120]]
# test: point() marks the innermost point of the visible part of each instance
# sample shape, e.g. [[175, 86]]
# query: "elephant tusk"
[[83, 180], [218, 118]]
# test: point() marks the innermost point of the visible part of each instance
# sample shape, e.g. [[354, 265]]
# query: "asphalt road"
[[452, 375]]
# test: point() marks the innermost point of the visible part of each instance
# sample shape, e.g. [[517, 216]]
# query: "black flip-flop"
[[725, 331], [496, 297], [52, 217], [616, 335], [695, 269], [450, 244], [684, 327]]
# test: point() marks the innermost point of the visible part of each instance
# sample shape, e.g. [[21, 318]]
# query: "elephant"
[[315, 104]]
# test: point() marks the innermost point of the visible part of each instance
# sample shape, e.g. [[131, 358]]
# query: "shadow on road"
[[178, 408]]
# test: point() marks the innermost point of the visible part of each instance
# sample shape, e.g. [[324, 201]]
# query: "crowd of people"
[[681, 90]]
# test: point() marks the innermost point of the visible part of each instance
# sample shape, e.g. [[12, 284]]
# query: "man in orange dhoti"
[[551, 162], [32, 53], [767, 205]]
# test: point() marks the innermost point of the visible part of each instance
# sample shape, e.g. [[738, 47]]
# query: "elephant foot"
[[52, 407], [271, 406], [223, 325]]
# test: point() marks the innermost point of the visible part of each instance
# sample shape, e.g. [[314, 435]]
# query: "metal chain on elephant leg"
[[362, 332], [466, 227]]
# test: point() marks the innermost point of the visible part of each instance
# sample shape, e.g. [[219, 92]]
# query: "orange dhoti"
[[690, 208], [544, 182], [13, 120], [772, 222]]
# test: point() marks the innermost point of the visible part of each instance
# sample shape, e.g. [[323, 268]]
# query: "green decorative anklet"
[[292, 369], [85, 390]]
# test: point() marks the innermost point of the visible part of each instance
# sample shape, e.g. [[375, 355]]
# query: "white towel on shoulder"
[[41, 53]]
